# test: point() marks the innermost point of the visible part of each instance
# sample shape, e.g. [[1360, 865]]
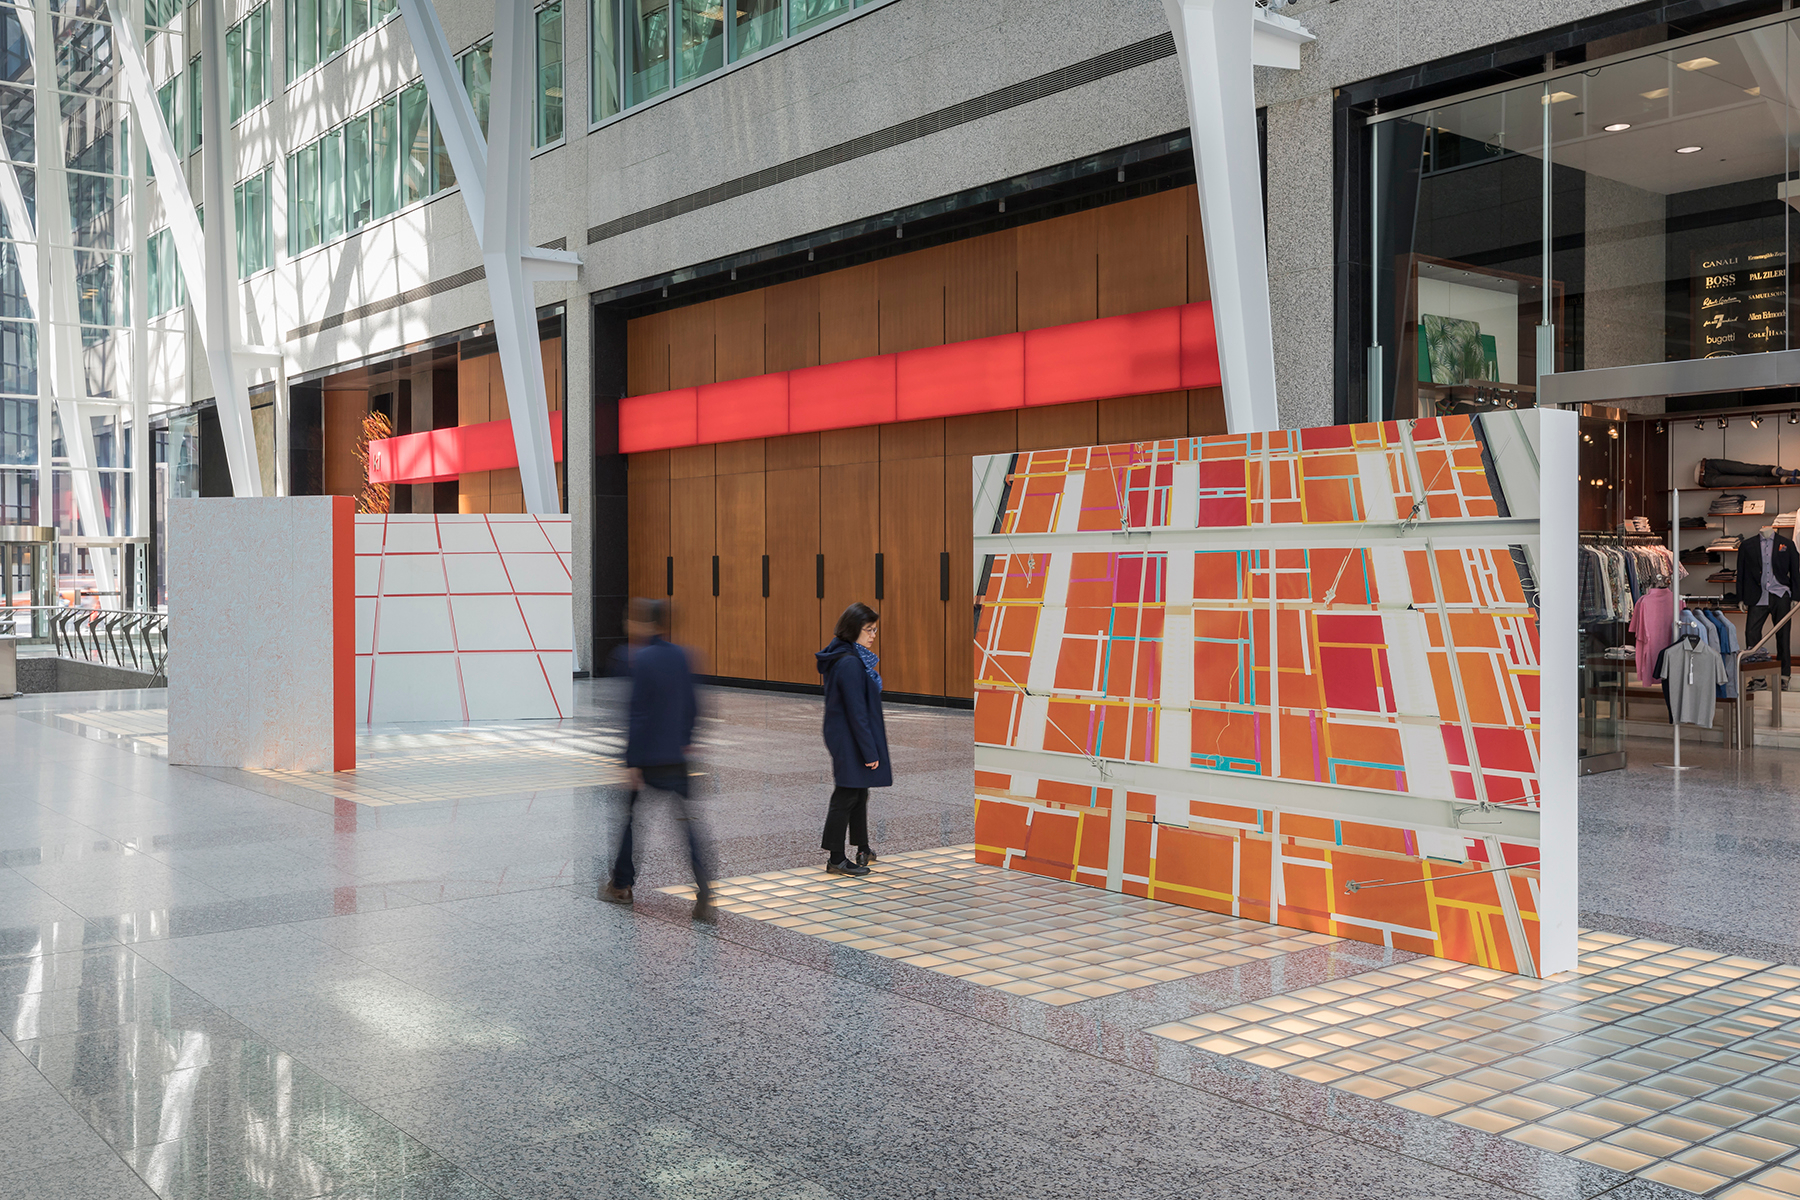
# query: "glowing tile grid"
[[1667, 1062], [940, 910], [1304, 621]]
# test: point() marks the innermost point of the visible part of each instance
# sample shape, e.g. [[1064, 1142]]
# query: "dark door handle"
[[880, 575], [944, 575], [765, 577], [670, 586], [715, 575], [819, 572]]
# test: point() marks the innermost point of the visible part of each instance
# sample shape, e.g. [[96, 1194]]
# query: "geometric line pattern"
[[463, 617]]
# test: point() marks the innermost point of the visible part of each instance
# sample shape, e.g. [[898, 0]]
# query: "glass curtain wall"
[[375, 164], [1637, 211], [318, 30], [640, 49], [66, 220]]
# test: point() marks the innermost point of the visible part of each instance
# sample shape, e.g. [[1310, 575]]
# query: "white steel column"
[[217, 168], [212, 301], [59, 317], [496, 189], [1217, 41], [143, 454]]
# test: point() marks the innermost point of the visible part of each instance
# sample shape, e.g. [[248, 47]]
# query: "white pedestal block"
[[261, 633]]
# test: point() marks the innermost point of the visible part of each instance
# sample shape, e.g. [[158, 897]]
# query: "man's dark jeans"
[[1775, 607], [672, 779]]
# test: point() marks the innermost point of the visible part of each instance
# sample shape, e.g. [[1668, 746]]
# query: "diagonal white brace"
[[496, 189], [1214, 40]]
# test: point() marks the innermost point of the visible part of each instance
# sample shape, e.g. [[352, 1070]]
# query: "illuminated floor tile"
[[1658, 1060], [987, 925]]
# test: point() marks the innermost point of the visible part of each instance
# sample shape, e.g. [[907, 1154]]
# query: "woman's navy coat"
[[854, 731]]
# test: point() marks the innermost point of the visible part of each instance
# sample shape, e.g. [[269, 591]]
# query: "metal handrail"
[[125, 638]]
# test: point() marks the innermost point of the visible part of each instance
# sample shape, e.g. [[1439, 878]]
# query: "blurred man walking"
[[659, 737]]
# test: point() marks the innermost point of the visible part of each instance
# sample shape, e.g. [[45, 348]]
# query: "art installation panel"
[[463, 617], [1294, 677]]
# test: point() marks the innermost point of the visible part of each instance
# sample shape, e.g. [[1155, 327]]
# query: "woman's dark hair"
[[856, 618]]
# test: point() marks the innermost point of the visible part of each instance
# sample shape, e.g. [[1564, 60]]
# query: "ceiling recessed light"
[[1557, 97], [1755, 91], [1618, 127], [1698, 64], [1689, 149], [1657, 94]]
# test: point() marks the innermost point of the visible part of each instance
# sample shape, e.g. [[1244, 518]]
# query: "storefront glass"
[[1656, 226]]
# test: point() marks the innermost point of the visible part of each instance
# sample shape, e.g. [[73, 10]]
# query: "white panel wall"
[[463, 618]]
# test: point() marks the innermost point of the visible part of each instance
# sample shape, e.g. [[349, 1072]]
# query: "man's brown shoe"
[[615, 895]]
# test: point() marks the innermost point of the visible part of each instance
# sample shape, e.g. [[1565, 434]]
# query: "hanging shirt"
[[1652, 622], [1693, 670]]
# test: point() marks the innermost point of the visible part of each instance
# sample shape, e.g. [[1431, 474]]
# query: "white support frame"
[[496, 190], [208, 257], [62, 376], [1219, 42]]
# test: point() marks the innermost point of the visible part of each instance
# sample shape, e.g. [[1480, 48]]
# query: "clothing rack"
[[1635, 539]]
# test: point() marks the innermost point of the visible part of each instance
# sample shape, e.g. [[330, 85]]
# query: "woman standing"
[[855, 734]]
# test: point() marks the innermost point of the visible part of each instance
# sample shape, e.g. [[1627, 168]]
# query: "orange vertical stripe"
[[343, 633]]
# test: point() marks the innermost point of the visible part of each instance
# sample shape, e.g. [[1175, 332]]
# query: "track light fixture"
[[1699, 424], [1756, 420], [1794, 416], [1724, 422], [1661, 428], [1612, 431]]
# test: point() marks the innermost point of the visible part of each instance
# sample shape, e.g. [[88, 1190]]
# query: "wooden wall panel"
[[959, 613], [741, 622], [1198, 286], [791, 540], [343, 416], [791, 325], [551, 349], [839, 446], [738, 324], [1143, 418], [981, 433], [692, 338], [1057, 425], [647, 498], [693, 462], [1141, 253], [912, 300], [734, 458], [1057, 271], [795, 450], [849, 536], [1206, 412], [912, 605], [912, 439], [850, 313], [981, 287], [692, 520], [647, 354]]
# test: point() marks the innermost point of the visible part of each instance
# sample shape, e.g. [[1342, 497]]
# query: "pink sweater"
[[1653, 621]]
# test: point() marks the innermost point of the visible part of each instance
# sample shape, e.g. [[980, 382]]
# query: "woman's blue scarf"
[[869, 661]]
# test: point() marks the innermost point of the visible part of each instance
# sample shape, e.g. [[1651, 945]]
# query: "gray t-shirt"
[[1694, 673]]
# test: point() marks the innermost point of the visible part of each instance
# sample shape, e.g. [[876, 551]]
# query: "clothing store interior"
[[1690, 512]]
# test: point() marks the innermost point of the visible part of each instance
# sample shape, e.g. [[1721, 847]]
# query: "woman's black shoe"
[[844, 866], [864, 857]]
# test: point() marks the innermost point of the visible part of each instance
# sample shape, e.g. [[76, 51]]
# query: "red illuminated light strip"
[[440, 454], [1164, 350]]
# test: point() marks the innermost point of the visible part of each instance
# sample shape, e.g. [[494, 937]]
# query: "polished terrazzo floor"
[[213, 983]]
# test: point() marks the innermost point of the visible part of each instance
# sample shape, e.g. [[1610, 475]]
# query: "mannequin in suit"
[[1768, 573]]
